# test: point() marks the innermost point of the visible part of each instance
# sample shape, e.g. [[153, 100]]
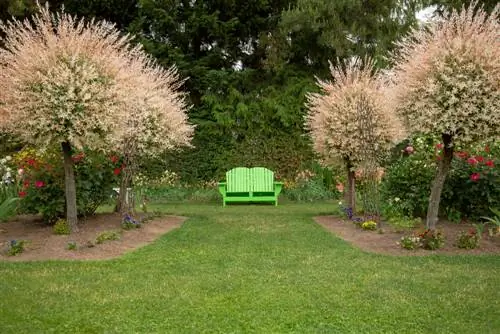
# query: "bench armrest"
[[222, 188], [277, 187]]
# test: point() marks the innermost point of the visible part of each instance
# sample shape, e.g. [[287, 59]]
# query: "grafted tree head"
[[446, 76], [349, 118]]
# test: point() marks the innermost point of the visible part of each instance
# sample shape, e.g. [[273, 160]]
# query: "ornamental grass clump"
[[446, 83]]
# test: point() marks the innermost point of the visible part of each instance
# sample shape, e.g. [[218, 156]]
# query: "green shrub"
[[308, 191], [129, 223], [369, 225], [71, 246], [431, 239], [410, 242], [61, 227], [468, 240], [42, 182], [16, 247], [107, 236], [473, 185]]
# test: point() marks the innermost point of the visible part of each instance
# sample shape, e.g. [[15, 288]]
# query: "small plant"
[[432, 239], [107, 236], [410, 242], [468, 240], [61, 227], [369, 225], [495, 221], [130, 223], [71, 245], [16, 247]]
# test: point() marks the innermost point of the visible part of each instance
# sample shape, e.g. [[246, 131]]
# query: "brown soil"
[[43, 244], [386, 243]]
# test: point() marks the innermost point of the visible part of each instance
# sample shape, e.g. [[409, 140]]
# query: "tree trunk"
[[350, 193], [126, 204], [70, 188], [438, 183]]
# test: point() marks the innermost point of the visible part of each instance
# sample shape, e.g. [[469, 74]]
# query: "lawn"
[[252, 269]]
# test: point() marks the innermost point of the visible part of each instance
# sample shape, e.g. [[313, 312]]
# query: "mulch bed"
[[43, 244], [386, 243]]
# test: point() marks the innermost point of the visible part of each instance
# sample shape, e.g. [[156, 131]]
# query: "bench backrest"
[[256, 179]]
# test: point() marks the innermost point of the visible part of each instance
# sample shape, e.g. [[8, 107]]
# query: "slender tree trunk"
[[438, 183], [126, 204], [70, 188], [350, 193]]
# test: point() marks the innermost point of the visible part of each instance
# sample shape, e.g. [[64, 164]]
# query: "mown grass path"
[[252, 269]]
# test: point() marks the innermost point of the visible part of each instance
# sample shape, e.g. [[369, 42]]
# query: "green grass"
[[252, 269]]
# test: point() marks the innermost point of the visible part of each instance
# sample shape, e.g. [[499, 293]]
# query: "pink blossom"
[[39, 184], [472, 161], [475, 177]]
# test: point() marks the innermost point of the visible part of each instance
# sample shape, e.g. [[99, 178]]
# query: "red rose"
[[472, 161], [475, 177], [489, 163], [22, 194], [479, 158], [439, 146], [117, 171]]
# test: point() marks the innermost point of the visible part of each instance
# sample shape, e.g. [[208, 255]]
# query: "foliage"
[[71, 246], [313, 31], [445, 83], [16, 247], [410, 242], [61, 227], [369, 225], [495, 221], [468, 240], [42, 187], [129, 223], [431, 239], [406, 183], [473, 184], [107, 236], [310, 186]]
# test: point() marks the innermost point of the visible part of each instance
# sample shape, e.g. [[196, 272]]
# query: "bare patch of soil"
[[386, 243], [43, 244]]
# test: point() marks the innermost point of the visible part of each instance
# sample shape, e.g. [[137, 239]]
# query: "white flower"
[[397, 199], [2, 161], [8, 158]]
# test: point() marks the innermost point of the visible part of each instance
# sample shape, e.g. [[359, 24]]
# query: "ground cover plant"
[[252, 269]]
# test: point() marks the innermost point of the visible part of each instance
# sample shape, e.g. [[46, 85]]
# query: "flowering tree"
[[446, 78], [349, 120], [69, 82], [156, 121]]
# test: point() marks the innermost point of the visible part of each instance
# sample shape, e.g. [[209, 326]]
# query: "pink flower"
[[475, 177], [472, 161], [409, 149], [490, 163], [39, 184], [439, 146], [479, 158]]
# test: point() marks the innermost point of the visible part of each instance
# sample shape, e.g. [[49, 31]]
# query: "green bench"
[[250, 185]]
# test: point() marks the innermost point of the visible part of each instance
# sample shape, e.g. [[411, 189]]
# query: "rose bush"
[[41, 181]]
